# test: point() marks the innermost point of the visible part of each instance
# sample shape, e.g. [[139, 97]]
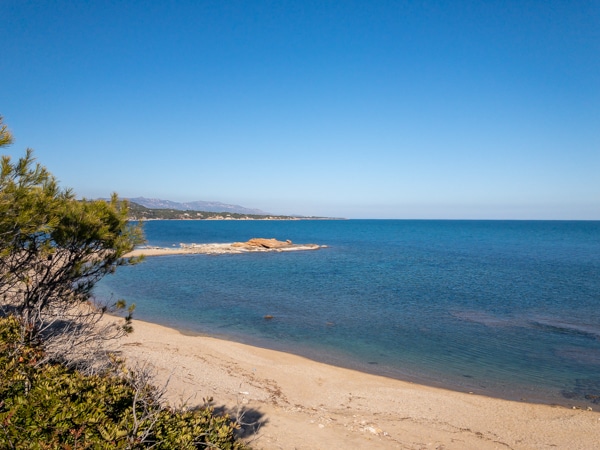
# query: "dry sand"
[[296, 403]]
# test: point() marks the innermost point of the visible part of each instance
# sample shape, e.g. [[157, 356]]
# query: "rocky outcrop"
[[253, 245], [263, 243]]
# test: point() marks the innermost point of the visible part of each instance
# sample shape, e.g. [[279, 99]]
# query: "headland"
[[252, 245]]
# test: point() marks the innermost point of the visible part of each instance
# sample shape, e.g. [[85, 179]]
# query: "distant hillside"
[[139, 212], [155, 203]]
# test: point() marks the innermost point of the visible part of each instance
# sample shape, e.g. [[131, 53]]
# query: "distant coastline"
[[216, 218], [138, 212]]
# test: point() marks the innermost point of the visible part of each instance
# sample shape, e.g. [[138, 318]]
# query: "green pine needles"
[[53, 247], [61, 387]]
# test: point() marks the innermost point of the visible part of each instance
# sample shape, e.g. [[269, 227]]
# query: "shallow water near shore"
[[501, 308]]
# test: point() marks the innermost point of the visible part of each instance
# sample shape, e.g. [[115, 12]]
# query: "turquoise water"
[[502, 308]]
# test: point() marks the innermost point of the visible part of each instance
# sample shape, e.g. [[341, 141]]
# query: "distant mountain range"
[[156, 203]]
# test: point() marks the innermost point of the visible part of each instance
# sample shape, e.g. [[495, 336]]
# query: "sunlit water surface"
[[509, 309]]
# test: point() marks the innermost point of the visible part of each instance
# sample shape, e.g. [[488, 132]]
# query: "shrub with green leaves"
[[52, 407]]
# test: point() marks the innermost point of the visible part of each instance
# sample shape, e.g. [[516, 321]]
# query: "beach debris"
[[373, 430]]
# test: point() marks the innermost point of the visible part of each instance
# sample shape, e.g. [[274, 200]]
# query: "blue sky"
[[358, 109]]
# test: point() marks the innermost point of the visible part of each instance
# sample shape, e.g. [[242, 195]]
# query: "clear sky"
[[358, 109]]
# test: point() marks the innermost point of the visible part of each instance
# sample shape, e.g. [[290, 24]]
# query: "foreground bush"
[[52, 407]]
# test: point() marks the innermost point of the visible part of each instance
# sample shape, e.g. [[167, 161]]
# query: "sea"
[[508, 309]]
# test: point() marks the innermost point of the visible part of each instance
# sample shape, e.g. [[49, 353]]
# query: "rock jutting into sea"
[[253, 245]]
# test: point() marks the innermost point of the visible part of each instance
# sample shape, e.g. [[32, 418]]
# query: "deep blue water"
[[503, 308]]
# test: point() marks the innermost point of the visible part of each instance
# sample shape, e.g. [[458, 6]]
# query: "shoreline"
[[348, 363], [299, 403]]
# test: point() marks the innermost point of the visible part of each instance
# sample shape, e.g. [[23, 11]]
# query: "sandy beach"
[[290, 402]]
